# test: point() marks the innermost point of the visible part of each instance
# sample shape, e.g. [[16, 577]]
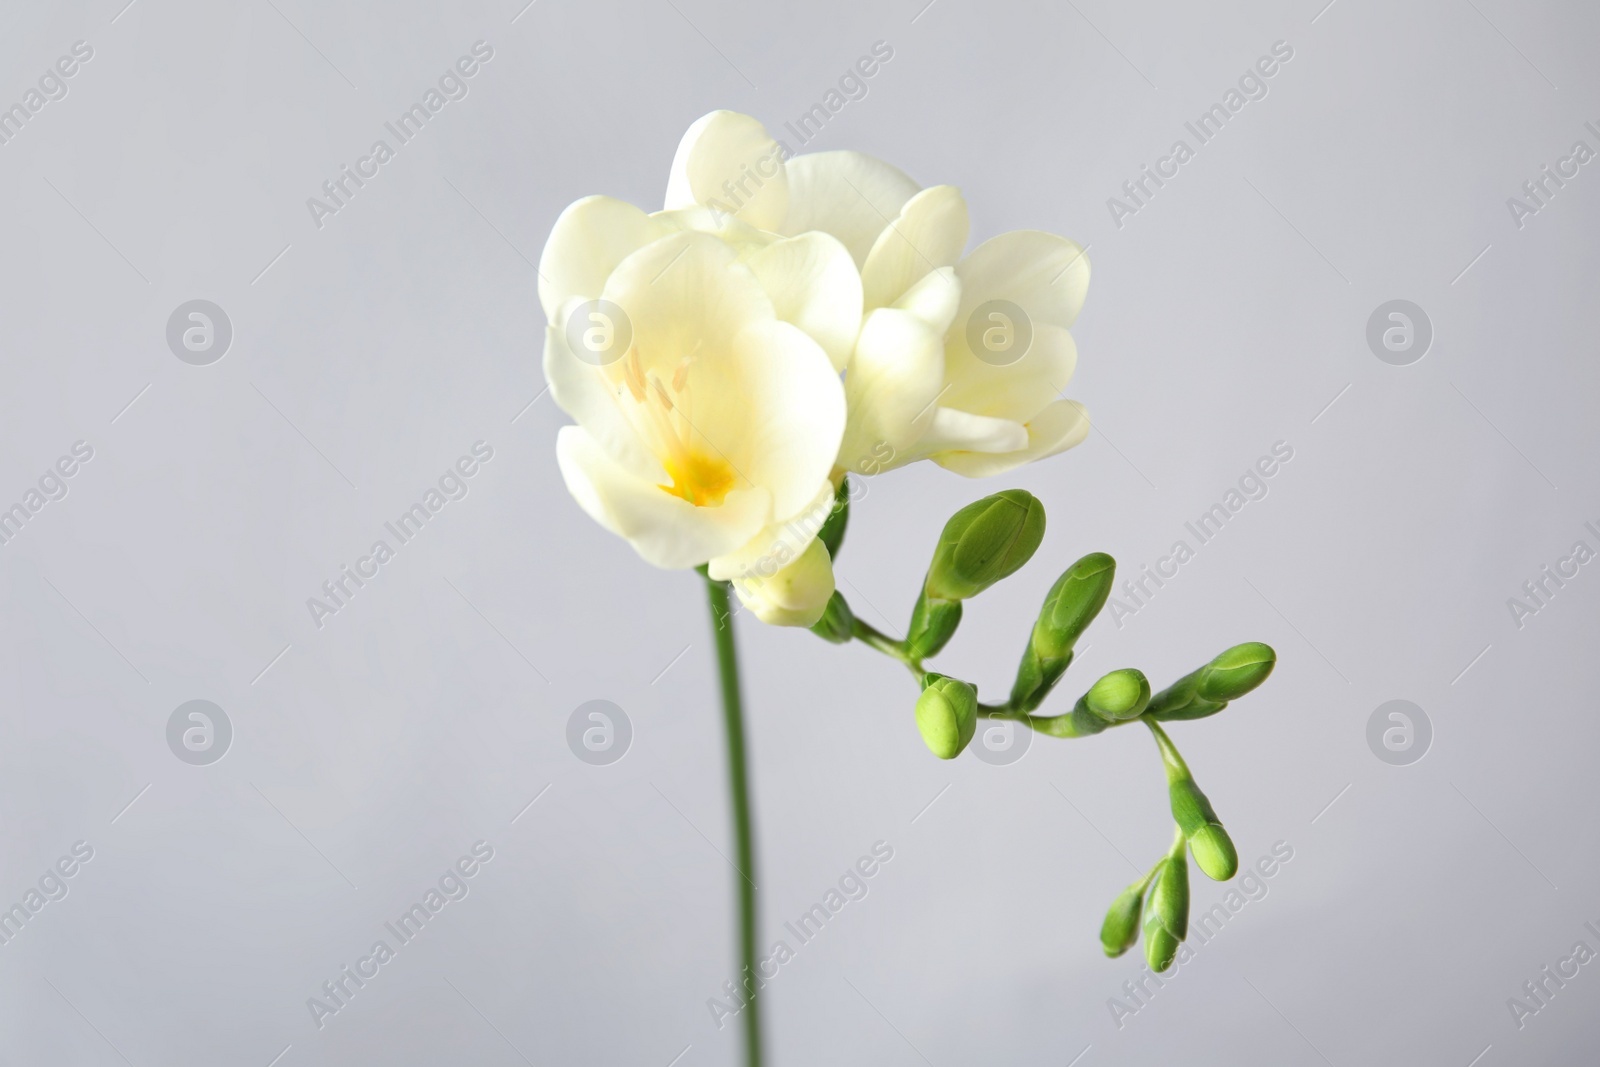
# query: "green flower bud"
[[1235, 672], [1190, 808], [933, 624], [947, 715], [1121, 928], [832, 533], [1119, 696], [836, 622], [1166, 918], [1072, 604], [1214, 853], [1181, 700], [985, 542]]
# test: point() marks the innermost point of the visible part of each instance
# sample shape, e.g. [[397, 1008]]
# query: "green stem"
[[739, 788], [1176, 768], [871, 636]]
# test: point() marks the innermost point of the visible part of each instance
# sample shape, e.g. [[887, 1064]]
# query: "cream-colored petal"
[[934, 299], [1046, 275], [891, 387], [1016, 391], [813, 284], [1057, 428], [586, 243], [777, 544], [848, 194], [729, 163], [951, 430], [665, 530], [594, 398], [797, 595], [794, 409], [929, 233]]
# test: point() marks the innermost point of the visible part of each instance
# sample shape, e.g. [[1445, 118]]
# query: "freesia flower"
[[708, 411], [959, 359]]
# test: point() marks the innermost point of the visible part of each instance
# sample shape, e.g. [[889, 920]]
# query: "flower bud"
[[1069, 608], [947, 715], [1121, 928], [796, 595], [1119, 696], [985, 542], [1214, 853], [933, 623], [1181, 700], [1235, 672], [1072, 604], [1190, 808], [1166, 917], [837, 621]]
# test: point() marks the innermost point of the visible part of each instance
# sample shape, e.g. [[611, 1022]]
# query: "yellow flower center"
[[702, 479]]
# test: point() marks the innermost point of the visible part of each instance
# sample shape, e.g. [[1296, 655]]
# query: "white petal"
[[1016, 391], [781, 541], [797, 595], [729, 163], [934, 299], [892, 384], [794, 413], [929, 233], [1046, 275], [958, 431], [848, 194], [591, 396], [1055, 429], [664, 529], [586, 243], [814, 285]]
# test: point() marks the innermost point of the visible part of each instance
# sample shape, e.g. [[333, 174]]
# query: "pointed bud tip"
[[985, 542], [1236, 672], [1214, 853]]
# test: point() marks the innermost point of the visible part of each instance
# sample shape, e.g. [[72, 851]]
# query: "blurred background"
[[189, 888]]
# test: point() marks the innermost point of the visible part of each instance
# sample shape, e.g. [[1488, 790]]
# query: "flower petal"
[[1057, 428], [934, 299], [591, 396], [729, 163], [1044, 274], [929, 233], [848, 194], [797, 595], [951, 430], [813, 284], [586, 243], [666, 530], [778, 543], [892, 384], [1016, 391]]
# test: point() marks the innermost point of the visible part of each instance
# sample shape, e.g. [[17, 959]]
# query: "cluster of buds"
[[988, 541]]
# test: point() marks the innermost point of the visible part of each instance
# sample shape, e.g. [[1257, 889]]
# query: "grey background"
[[1227, 315]]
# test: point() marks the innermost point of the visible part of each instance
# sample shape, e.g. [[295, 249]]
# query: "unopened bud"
[[1121, 928], [1068, 609], [933, 623], [947, 715], [1166, 918], [1119, 696], [837, 621], [985, 542], [1214, 853], [1237, 671]]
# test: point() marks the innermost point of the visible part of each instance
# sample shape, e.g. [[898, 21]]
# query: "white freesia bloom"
[[940, 370], [711, 438]]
